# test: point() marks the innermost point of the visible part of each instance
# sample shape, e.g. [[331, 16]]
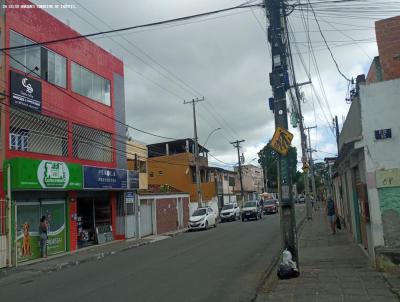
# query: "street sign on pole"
[[281, 141]]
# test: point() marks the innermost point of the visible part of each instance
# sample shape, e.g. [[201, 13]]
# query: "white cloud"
[[226, 60]]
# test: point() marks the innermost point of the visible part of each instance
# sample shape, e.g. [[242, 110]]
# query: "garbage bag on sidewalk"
[[338, 225], [288, 268]]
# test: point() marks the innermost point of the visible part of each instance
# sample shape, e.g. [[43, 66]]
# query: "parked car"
[[251, 209], [230, 212], [270, 206], [202, 218], [302, 199]]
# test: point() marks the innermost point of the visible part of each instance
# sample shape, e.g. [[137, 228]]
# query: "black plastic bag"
[[338, 225], [285, 271]]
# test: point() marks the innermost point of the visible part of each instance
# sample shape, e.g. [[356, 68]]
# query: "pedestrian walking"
[[43, 236], [331, 213]]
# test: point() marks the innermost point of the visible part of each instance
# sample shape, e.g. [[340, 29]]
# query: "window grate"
[[91, 144], [31, 132]]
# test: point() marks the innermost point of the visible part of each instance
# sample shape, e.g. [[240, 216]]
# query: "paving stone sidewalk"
[[333, 269]]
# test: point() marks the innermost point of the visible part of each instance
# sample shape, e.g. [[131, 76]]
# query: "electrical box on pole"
[[279, 82]]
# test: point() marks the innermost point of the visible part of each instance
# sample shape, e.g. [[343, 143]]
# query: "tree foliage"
[[268, 159]]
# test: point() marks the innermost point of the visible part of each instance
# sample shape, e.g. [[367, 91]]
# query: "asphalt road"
[[221, 264]]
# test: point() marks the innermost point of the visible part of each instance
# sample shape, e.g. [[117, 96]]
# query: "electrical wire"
[[130, 27]]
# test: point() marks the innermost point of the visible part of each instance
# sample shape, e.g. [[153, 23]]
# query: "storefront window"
[[28, 217]]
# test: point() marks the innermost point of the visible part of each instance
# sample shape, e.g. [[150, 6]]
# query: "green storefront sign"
[[43, 174]]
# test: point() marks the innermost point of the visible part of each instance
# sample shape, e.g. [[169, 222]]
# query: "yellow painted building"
[[173, 163], [137, 156]]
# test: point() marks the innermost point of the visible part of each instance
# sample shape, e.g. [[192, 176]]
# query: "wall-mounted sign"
[[133, 179], [52, 174], [43, 174], [388, 178], [129, 196], [383, 134], [25, 92], [104, 178]]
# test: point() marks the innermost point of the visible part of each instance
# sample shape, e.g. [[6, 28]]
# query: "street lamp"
[[209, 135]]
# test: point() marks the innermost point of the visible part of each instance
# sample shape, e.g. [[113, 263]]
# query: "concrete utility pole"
[[311, 162], [337, 133], [304, 159], [237, 146], [196, 150], [275, 10]]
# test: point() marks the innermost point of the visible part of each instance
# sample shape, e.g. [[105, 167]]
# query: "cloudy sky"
[[225, 59]]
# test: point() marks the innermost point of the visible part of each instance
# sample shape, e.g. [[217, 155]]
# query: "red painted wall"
[[39, 26], [73, 227], [113, 203], [166, 215]]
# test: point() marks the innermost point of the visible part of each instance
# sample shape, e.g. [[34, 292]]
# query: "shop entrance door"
[[146, 217], [130, 219]]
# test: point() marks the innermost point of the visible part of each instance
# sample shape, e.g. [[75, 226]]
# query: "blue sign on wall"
[[104, 178], [133, 179]]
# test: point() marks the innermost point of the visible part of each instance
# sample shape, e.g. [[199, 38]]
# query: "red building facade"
[[63, 133]]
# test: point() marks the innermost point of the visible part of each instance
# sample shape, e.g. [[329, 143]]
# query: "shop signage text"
[[26, 93], [104, 178], [43, 174], [133, 179]]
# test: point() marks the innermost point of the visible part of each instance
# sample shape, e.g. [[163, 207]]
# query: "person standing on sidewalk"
[[43, 237], [331, 213]]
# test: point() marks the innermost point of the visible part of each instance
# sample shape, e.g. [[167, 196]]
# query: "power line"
[[179, 81], [83, 103], [326, 43], [131, 27]]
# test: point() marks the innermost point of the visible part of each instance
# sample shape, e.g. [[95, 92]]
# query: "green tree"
[[268, 159]]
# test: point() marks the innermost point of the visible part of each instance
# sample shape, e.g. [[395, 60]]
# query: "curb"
[[273, 265], [93, 257]]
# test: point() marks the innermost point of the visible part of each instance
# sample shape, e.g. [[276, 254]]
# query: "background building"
[[367, 178], [173, 163]]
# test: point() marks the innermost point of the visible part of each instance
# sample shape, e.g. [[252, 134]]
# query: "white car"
[[202, 218], [230, 211]]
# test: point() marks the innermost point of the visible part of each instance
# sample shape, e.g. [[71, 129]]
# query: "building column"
[[113, 205], [71, 221]]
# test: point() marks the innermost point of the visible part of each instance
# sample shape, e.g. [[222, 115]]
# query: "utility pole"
[[237, 146], [196, 150], [311, 161], [275, 10], [337, 133], [304, 157]]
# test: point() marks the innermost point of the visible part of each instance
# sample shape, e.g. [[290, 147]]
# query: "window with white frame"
[[25, 59], [89, 84], [19, 139], [54, 68], [38, 61]]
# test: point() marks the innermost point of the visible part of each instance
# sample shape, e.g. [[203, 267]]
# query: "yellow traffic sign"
[[281, 141]]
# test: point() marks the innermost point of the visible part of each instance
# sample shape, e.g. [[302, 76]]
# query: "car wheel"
[[206, 225], [256, 217], [242, 218], [215, 224]]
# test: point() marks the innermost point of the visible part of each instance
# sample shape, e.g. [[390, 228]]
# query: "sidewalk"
[[95, 252], [333, 268]]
